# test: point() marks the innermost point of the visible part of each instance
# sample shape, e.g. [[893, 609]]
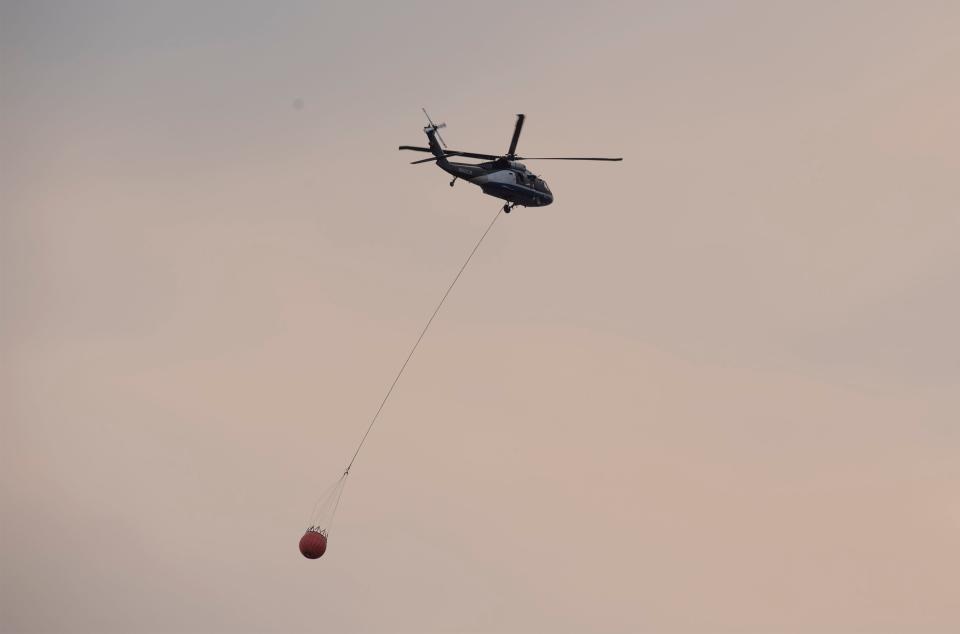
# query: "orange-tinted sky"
[[714, 388]]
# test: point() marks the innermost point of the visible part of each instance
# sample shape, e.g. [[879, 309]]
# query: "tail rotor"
[[435, 127]]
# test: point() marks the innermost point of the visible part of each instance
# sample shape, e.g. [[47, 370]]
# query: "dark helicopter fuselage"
[[504, 179], [510, 181]]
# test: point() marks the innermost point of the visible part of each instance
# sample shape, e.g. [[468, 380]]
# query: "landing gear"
[[508, 207], [453, 181]]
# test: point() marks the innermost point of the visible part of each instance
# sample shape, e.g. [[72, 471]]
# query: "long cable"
[[419, 339]]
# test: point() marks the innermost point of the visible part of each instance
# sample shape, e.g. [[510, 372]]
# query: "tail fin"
[[434, 127], [433, 136]]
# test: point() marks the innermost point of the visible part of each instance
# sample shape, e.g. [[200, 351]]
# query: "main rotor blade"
[[448, 153], [516, 134], [566, 158], [489, 157]]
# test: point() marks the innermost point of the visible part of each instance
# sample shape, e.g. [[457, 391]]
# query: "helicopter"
[[503, 176]]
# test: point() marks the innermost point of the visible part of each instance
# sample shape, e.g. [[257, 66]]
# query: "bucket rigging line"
[[423, 332]]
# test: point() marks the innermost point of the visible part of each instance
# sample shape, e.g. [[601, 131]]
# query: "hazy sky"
[[713, 388]]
